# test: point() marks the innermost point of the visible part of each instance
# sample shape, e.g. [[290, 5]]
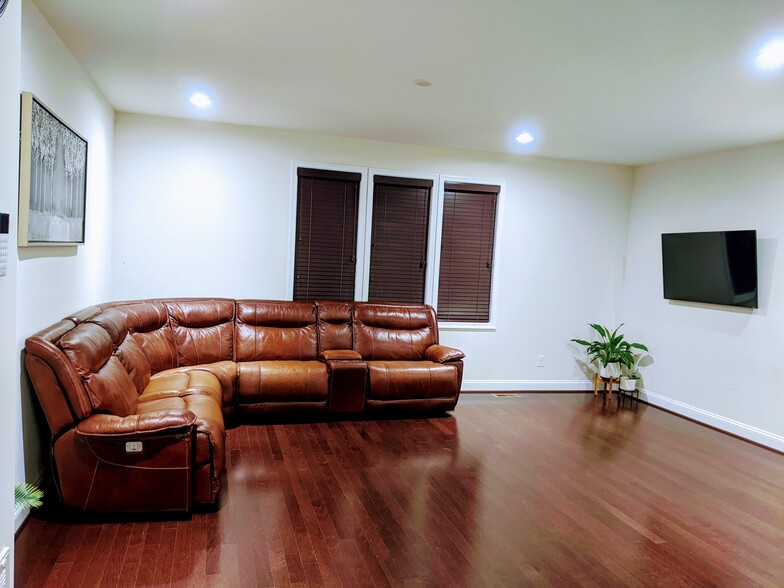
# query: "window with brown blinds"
[[467, 240], [326, 247], [398, 242]]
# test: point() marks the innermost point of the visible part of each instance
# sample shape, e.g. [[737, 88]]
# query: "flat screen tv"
[[718, 267]]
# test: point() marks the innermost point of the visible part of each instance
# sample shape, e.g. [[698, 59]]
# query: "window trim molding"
[[497, 258], [465, 327], [364, 228], [431, 247], [359, 276]]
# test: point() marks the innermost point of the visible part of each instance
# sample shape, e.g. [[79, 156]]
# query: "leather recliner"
[[136, 393]]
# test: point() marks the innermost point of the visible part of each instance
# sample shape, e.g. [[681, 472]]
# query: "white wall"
[[55, 281], [204, 210], [720, 365], [10, 49]]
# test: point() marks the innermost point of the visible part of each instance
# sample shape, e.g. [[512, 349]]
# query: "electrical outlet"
[[540, 361]]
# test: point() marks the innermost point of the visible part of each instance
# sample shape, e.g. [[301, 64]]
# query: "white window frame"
[[458, 326]]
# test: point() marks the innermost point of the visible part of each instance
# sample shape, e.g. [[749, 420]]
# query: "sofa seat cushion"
[[282, 381], [225, 371], [406, 380], [180, 383], [202, 399]]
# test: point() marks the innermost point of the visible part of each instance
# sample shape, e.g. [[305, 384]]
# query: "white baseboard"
[[20, 514], [714, 420], [526, 385]]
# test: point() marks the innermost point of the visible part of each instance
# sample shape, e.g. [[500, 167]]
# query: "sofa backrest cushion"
[[82, 315], [148, 323], [394, 332], [135, 363], [113, 321], [203, 330], [87, 346], [110, 389], [268, 330], [334, 325]]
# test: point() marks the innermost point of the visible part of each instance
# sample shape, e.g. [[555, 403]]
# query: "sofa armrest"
[[443, 354], [339, 355], [137, 463], [164, 421]]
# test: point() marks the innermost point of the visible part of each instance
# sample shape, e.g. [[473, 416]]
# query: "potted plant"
[[610, 350], [27, 496], [629, 381]]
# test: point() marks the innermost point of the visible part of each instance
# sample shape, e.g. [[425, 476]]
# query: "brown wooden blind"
[[325, 256], [467, 241], [398, 249]]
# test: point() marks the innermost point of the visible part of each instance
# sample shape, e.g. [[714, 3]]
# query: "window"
[[326, 241], [398, 242], [467, 242], [387, 236]]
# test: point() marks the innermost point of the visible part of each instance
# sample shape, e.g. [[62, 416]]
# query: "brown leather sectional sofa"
[[136, 393]]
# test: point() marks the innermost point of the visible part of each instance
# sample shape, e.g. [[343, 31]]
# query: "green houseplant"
[[610, 350], [631, 374], [629, 381], [27, 496]]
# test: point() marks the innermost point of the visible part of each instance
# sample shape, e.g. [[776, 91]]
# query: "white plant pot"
[[629, 384], [611, 370]]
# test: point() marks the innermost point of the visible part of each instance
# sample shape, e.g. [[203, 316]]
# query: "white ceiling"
[[621, 81]]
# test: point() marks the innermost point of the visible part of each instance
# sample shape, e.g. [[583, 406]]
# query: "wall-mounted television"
[[718, 267]]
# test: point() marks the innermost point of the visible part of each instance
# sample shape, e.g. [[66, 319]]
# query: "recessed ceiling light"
[[200, 100], [524, 138], [424, 83], [771, 55]]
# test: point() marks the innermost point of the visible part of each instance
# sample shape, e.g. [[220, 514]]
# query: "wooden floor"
[[544, 489]]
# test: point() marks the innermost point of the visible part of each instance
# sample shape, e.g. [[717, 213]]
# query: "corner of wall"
[[10, 49], [81, 273]]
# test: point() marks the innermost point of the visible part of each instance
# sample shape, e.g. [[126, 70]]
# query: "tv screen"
[[718, 267]]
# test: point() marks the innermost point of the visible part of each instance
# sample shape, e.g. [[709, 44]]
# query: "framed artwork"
[[52, 178]]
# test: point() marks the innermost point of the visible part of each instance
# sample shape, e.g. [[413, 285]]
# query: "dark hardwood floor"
[[544, 489]]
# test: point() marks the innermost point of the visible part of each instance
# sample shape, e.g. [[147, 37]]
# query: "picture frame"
[[52, 179]]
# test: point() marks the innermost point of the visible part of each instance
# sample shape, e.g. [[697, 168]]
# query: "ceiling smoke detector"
[[424, 83]]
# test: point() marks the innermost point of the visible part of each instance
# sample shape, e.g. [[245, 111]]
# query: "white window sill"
[[466, 327]]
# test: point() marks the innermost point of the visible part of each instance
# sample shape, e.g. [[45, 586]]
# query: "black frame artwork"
[[52, 178]]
